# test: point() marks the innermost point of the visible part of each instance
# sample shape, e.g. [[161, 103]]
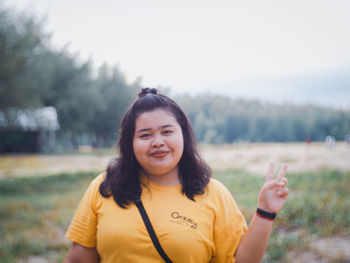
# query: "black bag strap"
[[150, 230]]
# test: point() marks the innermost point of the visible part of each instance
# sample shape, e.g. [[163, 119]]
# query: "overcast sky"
[[277, 50]]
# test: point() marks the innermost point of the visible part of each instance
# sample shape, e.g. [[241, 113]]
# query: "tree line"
[[218, 119], [90, 102]]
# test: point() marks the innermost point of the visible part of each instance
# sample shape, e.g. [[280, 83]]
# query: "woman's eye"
[[145, 135], [168, 132]]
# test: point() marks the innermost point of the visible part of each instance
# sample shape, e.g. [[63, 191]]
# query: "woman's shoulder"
[[220, 198], [92, 193], [96, 182], [99, 178], [216, 185], [217, 188]]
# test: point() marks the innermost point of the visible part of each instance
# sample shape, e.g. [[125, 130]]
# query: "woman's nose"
[[157, 141]]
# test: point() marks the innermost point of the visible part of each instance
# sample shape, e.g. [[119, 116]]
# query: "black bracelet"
[[266, 215]]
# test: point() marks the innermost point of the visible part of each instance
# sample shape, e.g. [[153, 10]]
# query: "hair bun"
[[145, 91]]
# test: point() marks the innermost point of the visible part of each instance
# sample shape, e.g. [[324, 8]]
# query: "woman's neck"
[[169, 179]]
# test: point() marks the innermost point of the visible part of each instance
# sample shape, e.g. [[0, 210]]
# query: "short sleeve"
[[83, 227], [229, 228]]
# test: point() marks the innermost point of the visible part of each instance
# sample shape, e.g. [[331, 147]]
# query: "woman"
[[194, 216]]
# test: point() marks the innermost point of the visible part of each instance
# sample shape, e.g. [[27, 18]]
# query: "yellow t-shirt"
[[207, 230]]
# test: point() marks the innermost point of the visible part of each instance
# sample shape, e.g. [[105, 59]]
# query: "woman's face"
[[158, 142]]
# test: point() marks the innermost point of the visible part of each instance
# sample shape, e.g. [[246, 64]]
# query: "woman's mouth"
[[159, 154]]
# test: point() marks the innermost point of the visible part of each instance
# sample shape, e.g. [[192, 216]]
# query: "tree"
[[113, 95], [22, 49]]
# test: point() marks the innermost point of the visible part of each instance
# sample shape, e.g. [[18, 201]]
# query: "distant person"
[[330, 142], [347, 139], [194, 217], [308, 140]]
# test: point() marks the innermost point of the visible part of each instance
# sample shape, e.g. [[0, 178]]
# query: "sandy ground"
[[252, 157], [28, 165], [299, 156]]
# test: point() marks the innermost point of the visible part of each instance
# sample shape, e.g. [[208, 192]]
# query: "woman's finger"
[[272, 184], [282, 172], [283, 192], [270, 172], [283, 182]]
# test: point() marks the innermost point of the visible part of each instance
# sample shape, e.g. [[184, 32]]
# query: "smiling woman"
[[160, 171], [146, 123], [158, 146]]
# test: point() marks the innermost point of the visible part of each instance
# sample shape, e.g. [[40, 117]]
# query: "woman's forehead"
[[155, 119]]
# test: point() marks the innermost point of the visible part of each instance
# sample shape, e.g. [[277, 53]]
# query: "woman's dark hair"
[[122, 180]]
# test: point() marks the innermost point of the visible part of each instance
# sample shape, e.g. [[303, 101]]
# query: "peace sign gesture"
[[274, 192]]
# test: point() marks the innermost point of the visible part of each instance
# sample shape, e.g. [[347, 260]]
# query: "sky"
[[279, 51]]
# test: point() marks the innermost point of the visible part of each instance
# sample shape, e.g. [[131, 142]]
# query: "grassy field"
[[317, 213], [34, 214], [314, 225], [36, 211]]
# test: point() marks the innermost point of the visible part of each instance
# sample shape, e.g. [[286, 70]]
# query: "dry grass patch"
[[255, 157]]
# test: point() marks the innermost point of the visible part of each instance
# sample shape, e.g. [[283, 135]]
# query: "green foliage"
[[218, 119], [33, 74], [71, 92], [22, 50], [114, 95]]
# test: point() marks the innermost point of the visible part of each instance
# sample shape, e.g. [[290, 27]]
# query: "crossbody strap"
[[150, 230]]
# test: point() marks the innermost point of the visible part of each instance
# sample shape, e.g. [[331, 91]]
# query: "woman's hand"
[[271, 199], [274, 192]]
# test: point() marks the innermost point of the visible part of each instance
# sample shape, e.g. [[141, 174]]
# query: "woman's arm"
[[80, 254], [271, 199]]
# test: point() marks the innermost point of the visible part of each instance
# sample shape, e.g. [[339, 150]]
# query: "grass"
[[36, 211], [318, 205]]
